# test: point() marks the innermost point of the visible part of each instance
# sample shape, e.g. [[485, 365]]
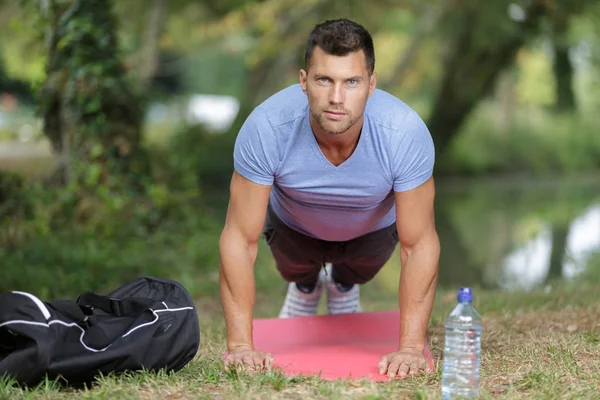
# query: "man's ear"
[[372, 83], [303, 79]]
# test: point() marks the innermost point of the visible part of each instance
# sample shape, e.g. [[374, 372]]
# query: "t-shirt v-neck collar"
[[319, 153]]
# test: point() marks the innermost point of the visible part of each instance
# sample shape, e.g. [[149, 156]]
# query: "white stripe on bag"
[[38, 303], [73, 324]]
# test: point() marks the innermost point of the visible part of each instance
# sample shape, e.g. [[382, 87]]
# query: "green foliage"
[[534, 142], [99, 243], [97, 240], [20, 215], [592, 272], [72, 260], [198, 155]]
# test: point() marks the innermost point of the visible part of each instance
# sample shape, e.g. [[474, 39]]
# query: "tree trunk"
[[148, 62], [90, 113], [472, 69], [50, 93], [563, 73], [560, 234], [562, 67]]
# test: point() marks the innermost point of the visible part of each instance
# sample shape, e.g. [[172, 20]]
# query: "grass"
[[535, 345]]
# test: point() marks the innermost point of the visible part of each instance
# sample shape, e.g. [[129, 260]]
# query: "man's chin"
[[334, 130]]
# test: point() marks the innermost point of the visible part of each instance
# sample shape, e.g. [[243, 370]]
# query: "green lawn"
[[535, 345]]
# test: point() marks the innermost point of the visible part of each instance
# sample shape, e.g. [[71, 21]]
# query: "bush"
[[98, 240], [534, 143], [21, 214], [207, 156]]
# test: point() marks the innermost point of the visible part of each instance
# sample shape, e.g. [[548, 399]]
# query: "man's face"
[[338, 88]]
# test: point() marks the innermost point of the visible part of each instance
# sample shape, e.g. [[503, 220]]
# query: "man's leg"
[[298, 259], [357, 262]]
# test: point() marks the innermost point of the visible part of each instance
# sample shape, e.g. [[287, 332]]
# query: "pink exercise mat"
[[347, 346]]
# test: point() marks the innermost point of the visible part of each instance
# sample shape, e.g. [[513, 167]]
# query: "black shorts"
[[299, 257]]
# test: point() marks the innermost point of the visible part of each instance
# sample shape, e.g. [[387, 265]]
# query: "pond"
[[518, 234]]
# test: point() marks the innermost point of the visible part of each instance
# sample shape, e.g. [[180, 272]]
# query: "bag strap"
[[70, 309], [116, 307]]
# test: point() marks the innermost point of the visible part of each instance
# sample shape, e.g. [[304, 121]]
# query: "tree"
[[559, 15], [560, 234], [563, 71], [484, 42], [90, 112]]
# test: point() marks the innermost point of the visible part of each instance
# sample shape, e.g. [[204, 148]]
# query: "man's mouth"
[[335, 114]]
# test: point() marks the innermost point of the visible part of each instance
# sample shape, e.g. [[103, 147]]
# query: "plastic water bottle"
[[462, 350]]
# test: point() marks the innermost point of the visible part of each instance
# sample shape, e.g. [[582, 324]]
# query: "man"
[[335, 173]]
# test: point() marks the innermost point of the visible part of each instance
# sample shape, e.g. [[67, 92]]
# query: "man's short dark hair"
[[340, 37]]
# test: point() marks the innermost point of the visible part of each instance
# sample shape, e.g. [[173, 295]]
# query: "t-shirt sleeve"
[[255, 150], [414, 155]]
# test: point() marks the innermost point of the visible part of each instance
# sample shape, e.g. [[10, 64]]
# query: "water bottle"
[[462, 349]]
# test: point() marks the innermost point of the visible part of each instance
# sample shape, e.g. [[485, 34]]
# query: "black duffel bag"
[[148, 324]]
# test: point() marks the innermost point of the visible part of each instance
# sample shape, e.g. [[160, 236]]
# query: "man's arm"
[[238, 248], [420, 251]]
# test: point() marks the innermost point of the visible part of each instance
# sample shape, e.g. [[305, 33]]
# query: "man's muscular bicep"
[[414, 214], [247, 207]]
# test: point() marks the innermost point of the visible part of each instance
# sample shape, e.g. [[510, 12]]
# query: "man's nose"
[[336, 95]]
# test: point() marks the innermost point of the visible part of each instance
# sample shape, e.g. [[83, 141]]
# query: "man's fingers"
[[269, 361], [383, 365], [250, 361], [415, 367], [393, 367], [247, 360], [258, 361], [403, 369], [404, 363]]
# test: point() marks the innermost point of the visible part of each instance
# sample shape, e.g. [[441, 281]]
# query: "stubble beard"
[[329, 126]]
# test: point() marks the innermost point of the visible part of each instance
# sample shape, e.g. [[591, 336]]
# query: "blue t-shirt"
[[276, 146]]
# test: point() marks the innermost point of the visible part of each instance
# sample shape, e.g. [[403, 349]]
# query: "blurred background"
[[118, 118]]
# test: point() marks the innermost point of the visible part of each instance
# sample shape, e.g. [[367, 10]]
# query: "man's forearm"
[[236, 273], [418, 280]]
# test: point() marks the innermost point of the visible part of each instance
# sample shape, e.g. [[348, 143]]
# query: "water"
[[512, 235], [515, 235], [462, 350]]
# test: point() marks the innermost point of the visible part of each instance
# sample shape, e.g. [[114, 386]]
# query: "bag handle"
[[116, 307], [70, 309]]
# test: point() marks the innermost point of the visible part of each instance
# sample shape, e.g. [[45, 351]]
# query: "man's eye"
[[352, 82]]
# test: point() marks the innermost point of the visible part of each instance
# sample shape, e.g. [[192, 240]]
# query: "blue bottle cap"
[[465, 295]]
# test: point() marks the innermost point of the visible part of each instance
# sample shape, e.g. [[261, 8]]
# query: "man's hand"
[[249, 359], [403, 363]]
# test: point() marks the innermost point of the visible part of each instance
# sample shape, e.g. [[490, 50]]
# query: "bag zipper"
[[38, 303]]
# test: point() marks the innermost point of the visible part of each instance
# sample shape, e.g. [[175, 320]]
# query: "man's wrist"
[[411, 344], [418, 349], [236, 346]]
